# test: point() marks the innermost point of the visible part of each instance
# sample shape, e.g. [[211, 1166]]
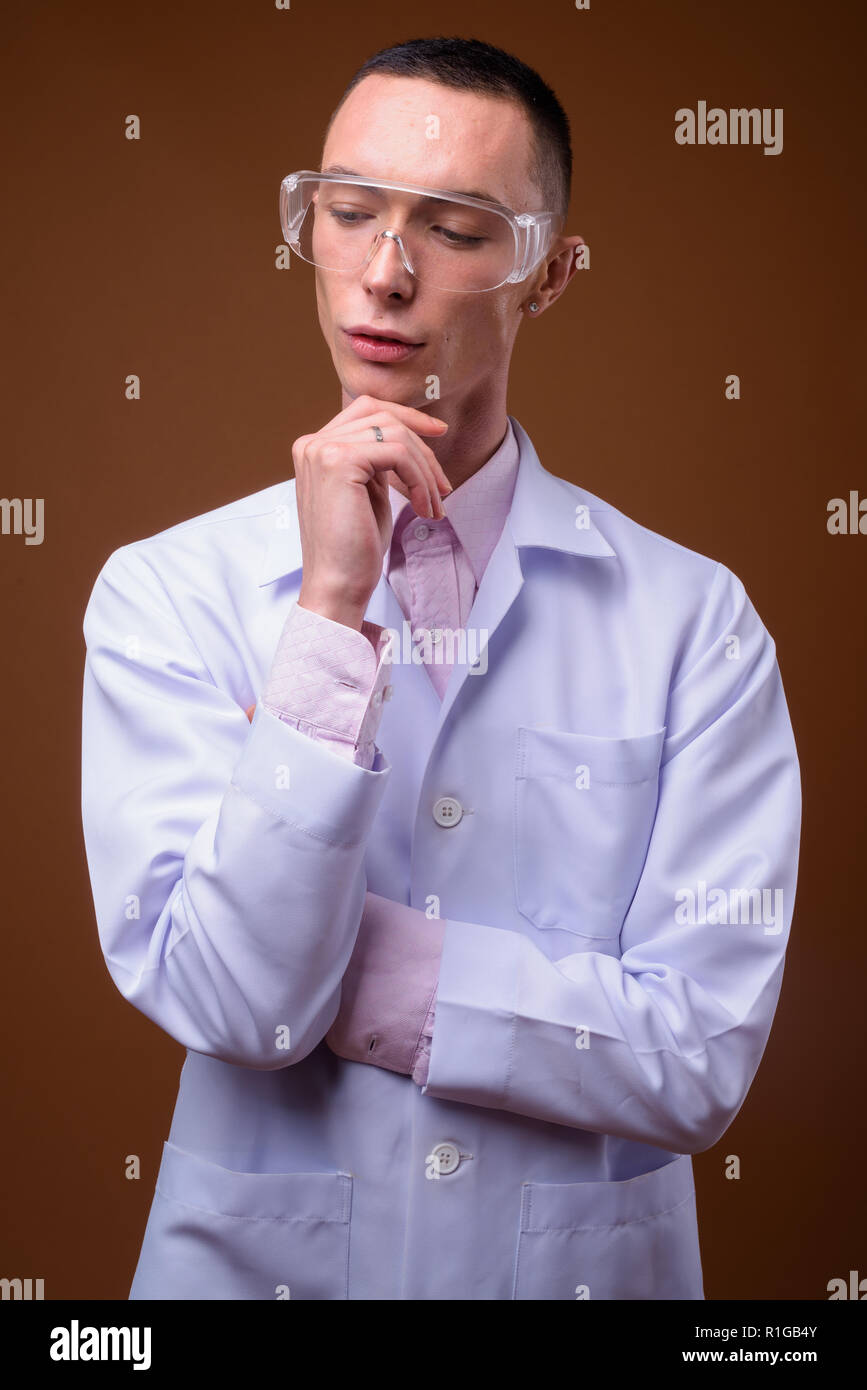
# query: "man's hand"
[[341, 487]]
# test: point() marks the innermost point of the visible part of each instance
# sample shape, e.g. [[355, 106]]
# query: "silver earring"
[[534, 307]]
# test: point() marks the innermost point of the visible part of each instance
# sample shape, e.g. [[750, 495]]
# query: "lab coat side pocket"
[[214, 1233], [584, 813], [636, 1239]]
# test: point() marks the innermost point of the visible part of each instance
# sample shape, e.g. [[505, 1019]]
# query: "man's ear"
[[568, 258], [564, 258]]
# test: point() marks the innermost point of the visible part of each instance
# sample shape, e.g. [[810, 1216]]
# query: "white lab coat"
[[623, 782]]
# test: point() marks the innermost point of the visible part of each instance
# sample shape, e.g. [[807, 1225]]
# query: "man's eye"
[[458, 238], [344, 218]]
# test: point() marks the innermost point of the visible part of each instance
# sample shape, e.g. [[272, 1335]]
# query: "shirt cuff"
[[389, 986], [421, 1061], [330, 681]]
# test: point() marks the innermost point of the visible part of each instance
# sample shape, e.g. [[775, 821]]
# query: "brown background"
[[157, 257]]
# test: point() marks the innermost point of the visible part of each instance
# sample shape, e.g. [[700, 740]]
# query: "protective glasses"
[[450, 241]]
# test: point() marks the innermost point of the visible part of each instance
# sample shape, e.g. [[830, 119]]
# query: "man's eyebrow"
[[465, 192]]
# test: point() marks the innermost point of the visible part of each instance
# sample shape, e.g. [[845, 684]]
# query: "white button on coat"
[[447, 811], [447, 1157]]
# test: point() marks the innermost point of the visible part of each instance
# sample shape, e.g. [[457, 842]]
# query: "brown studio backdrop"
[[156, 257]]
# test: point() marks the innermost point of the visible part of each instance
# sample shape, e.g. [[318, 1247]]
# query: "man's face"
[[484, 143]]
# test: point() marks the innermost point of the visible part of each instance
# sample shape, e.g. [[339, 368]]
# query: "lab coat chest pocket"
[[636, 1239], [584, 811], [214, 1233]]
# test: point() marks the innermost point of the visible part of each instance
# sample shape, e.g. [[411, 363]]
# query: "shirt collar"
[[546, 511]]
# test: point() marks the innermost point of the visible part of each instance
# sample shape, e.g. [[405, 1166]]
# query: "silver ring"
[[378, 433]]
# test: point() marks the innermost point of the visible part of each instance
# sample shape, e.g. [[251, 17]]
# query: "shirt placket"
[[434, 595]]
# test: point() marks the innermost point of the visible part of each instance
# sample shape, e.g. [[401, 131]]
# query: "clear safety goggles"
[[450, 241]]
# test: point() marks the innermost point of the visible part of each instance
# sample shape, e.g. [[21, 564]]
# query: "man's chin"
[[384, 386]]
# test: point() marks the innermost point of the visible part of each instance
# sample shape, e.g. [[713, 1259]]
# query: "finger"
[[360, 438], [439, 478], [389, 455], [370, 405], [298, 449], [419, 450]]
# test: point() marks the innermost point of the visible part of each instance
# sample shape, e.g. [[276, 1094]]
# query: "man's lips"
[[369, 330], [380, 348]]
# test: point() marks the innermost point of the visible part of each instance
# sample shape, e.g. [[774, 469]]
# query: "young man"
[[475, 934]]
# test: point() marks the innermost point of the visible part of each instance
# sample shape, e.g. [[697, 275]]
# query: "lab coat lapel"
[[544, 513]]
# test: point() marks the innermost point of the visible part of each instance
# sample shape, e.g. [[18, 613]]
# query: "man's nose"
[[385, 270]]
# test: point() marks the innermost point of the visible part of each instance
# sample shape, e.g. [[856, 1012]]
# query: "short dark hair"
[[474, 66]]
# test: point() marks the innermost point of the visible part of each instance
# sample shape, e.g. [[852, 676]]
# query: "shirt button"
[[421, 533], [446, 1156], [447, 811], [436, 635], [376, 698]]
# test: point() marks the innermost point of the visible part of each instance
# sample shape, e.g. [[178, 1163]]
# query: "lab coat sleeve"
[[226, 859], [659, 1045]]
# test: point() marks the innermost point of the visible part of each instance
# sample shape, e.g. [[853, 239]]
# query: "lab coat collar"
[[544, 513]]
